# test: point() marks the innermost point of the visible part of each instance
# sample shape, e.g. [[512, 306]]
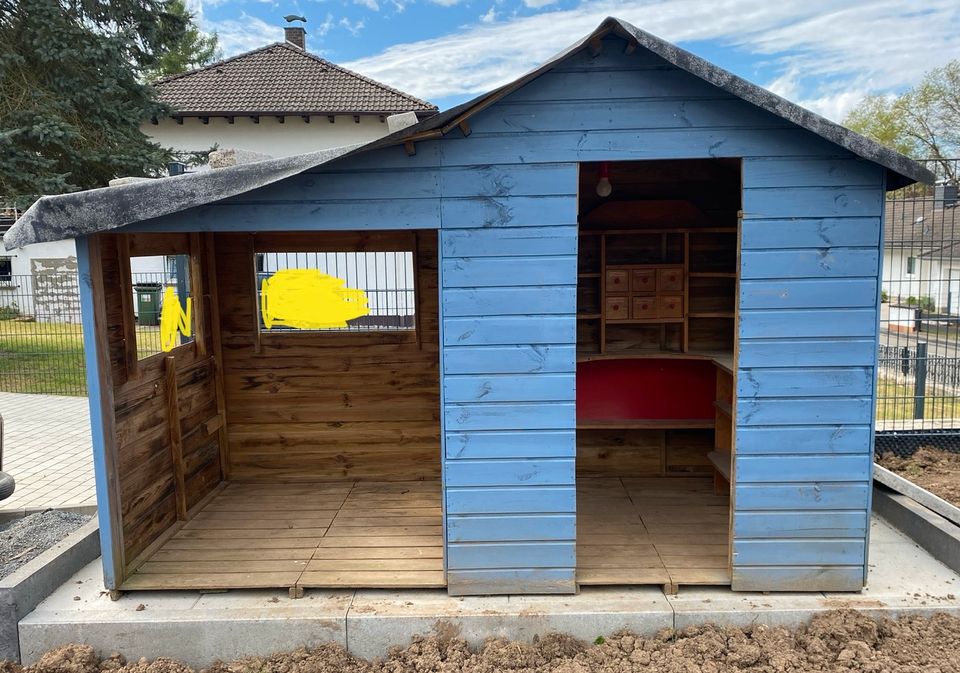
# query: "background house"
[[278, 100]]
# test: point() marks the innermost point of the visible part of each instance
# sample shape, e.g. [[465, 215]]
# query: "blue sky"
[[823, 54]]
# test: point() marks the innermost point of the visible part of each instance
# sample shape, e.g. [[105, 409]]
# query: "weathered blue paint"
[[96, 363], [505, 201]]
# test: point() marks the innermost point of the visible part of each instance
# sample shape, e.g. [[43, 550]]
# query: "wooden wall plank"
[[509, 359], [486, 555], [806, 293], [813, 232], [511, 500]]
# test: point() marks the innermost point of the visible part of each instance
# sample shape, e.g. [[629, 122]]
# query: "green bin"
[[148, 303]]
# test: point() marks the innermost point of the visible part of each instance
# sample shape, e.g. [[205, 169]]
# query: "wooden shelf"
[[677, 230], [722, 358], [712, 314], [713, 274], [588, 316], [645, 321], [588, 275], [724, 408], [648, 424]]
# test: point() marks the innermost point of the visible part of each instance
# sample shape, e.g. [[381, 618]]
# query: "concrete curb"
[[14, 514], [23, 590], [934, 533], [917, 493]]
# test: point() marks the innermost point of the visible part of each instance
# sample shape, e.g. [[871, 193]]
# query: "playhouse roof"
[[281, 78], [68, 215]]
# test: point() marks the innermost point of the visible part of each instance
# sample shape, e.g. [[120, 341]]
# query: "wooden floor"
[[658, 530], [349, 534]]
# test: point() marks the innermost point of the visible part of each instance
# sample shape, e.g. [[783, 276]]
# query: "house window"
[[911, 265], [330, 291], [6, 269]]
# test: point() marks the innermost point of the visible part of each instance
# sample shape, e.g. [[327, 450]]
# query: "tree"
[[72, 92], [923, 122], [193, 50]]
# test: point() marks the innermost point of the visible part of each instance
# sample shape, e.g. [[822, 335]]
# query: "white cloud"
[[825, 56], [243, 34], [354, 28], [446, 3], [325, 27], [490, 16], [537, 4], [369, 4]]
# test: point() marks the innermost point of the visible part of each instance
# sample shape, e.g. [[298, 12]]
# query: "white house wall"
[[268, 137], [931, 278]]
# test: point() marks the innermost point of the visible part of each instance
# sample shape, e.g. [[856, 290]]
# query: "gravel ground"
[[26, 538]]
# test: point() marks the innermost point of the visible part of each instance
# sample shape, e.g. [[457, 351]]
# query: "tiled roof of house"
[[281, 78], [922, 224]]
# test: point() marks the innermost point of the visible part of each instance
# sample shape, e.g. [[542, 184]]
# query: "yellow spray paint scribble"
[[173, 319], [309, 299]]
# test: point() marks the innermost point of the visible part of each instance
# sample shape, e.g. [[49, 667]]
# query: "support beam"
[[356, 119], [255, 119], [214, 296], [204, 120], [198, 291], [631, 47], [464, 127], [305, 118], [331, 118], [281, 119], [410, 147], [126, 307], [230, 119], [595, 46], [179, 120], [100, 397], [176, 439]]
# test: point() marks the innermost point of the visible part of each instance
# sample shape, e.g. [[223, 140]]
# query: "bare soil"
[[934, 469], [835, 641]]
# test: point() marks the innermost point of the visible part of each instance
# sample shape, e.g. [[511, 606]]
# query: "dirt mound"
[[931, 468], [832, 642]]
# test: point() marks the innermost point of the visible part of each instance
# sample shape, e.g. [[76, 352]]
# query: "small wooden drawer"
[[670, 280], [618, 308], [644, 307], [669, 306], [643, 281], [617, 282]]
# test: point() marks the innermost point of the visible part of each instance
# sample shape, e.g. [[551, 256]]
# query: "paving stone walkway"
[[47, 450]]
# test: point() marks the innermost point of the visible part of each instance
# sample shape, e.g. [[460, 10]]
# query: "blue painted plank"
[[509, 388], [803, 411], [804, 497], [520, 444], [508, 211], [497, 301], [777, 172], [612, 84], [787, 352], [819, 524], [488, 556], [335, 216], [502, 180], [346, 186], [804, 439], [551, 148], [395, 157], [526, 472], [812, 202], [506, 528], [819, 263], [798, 552], [509, 271], [810, 233], [502, 330], [825, 293], [511, 581], [776, 469], [535, 416], [808, 323], [509, 242], [110, 538], [628, 112], [518, 500], [513, 359], [835, 381], [802, 578]]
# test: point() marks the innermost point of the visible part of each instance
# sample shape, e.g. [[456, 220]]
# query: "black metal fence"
[[919, 374]]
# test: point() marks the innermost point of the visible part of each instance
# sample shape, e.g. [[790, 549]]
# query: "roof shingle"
[[281, 79]]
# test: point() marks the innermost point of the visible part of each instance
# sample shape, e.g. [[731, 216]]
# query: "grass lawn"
[[48, 357], [895, 402]]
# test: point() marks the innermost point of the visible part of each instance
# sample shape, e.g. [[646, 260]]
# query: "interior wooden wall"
[[148, 482], [329, 405], [643, 453]]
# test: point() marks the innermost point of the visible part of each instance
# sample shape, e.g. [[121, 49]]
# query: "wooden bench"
[[721, 461]]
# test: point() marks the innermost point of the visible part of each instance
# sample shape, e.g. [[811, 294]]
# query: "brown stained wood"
[[216, 339], [176, 442], [126, 298], [379, 579], [199, 291], [250, 580], [105, 374], [149, 245], [250, 263]]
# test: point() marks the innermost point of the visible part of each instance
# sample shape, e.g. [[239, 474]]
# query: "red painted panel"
[[645, 389]]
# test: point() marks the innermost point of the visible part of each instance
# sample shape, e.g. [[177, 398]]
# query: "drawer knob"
[[616, 307]]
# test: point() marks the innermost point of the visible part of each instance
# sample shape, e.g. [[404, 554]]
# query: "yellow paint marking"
[[173, 319], [309, 299]]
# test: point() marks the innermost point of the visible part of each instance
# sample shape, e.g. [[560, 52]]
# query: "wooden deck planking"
[[261, 535], [658, 530]]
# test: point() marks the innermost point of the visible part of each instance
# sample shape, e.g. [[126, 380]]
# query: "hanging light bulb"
[[604, 188]]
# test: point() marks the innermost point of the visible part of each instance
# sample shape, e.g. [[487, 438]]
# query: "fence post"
[[920, 379], [905, 360]]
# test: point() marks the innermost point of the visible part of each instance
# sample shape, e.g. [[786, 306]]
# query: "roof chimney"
[[295, 35]]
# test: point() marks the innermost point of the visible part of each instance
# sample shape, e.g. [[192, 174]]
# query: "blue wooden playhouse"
[[623, 330]]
